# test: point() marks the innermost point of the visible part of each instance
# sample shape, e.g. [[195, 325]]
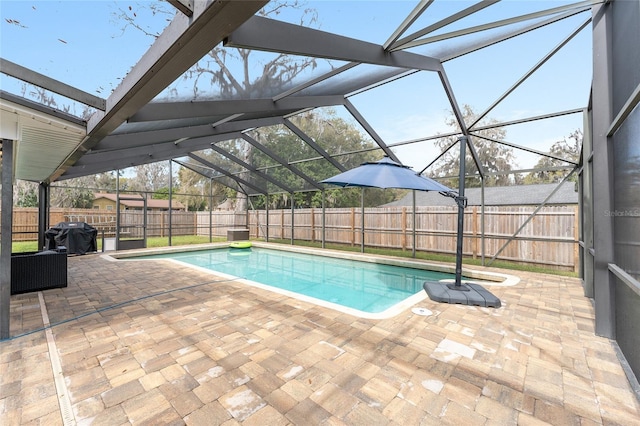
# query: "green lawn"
[[436, 257], [181, 240], [27, 246], [24, 246]]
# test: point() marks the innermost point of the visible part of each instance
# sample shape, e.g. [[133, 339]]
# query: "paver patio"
[[166, 344]]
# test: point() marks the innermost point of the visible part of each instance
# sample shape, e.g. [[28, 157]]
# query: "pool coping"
[[487, 278]]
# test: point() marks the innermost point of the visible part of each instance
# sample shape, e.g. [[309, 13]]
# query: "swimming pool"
[[367, 287]]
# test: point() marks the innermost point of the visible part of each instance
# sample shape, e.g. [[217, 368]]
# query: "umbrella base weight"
[[461, 287], [465, 294]]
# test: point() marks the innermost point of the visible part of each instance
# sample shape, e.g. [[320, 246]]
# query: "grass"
[[24, 246], [435, 257], [182, 240], [30, 246]]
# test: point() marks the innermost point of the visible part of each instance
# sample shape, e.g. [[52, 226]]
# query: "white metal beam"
[[265, 34]]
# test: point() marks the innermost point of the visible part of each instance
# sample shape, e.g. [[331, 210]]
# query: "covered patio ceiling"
[[143, 120]]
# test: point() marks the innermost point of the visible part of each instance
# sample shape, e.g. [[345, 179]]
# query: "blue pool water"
[[367, 287]]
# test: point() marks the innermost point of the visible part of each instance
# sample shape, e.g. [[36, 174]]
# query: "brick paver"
[[159, 343]]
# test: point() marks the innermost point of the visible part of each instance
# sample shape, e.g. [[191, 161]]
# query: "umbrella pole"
[[362, 220], [467, 294], [413, 225], [459, 246], [460, 200]]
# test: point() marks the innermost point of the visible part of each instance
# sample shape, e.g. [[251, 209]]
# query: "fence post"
[[265, 230], [353, 226], [210, 210], [313, 225], [282, 224], [475, 231], [257, 223], [404, 228], [576, 237]]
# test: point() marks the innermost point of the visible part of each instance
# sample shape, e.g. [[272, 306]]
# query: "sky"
[[88, 45], [82, 43]]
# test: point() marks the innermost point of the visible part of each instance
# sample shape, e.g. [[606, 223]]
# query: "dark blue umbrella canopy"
[[386, 173]]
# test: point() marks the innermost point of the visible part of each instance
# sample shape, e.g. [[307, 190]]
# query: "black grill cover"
[[77, 237]]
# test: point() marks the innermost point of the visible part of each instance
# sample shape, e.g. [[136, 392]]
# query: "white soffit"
[[43, 141]]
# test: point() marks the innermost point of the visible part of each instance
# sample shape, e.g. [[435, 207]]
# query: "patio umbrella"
[[386, 173]]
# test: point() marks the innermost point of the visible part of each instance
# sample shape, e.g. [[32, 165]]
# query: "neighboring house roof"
[[151, 203], [497, 196]]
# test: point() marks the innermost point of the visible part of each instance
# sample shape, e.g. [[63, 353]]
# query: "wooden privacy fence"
[[549, 239], [25, 222]]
